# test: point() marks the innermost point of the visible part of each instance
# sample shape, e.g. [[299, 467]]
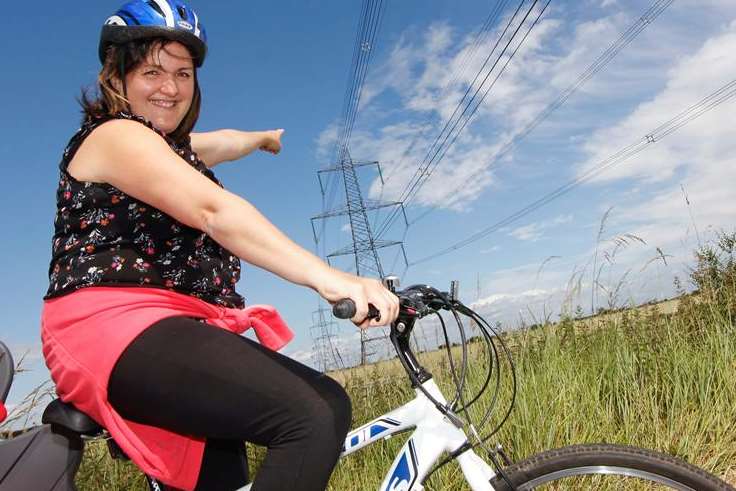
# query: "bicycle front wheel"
[[606, 467]]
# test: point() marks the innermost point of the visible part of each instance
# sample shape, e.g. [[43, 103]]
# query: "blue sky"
[[287, 66]]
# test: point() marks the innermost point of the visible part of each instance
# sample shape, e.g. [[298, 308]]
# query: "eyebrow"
[[160, 67]]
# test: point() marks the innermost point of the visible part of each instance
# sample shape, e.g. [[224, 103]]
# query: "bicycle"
[[47, 457]]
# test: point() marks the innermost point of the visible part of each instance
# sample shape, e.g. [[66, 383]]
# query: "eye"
[[185, 75], [151, 72]]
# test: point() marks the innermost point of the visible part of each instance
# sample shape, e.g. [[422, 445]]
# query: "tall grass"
[[639, 377], [660, 381]]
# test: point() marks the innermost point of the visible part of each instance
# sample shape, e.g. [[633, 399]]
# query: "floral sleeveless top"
[[103, 237]]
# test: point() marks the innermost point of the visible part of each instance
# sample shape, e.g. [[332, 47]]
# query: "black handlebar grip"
[[344, 309]]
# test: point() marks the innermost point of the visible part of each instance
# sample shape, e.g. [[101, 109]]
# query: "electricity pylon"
[[326, 355], [364, 246]]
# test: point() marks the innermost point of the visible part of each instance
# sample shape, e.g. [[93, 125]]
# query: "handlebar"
[[415, 301], [418, 301], [345, 309]]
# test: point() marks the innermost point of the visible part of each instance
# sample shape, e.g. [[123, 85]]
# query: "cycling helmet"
[[140, 19]]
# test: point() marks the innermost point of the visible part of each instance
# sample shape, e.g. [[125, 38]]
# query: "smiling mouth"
[[162, 103]]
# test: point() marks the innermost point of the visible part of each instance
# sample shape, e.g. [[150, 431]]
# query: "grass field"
[[664, 382]]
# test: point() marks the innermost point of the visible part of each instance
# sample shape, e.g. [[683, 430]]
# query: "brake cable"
[[481, 441]]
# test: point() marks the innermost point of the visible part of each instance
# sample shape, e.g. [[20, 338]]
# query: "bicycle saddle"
[[6, 371], [66, 415]]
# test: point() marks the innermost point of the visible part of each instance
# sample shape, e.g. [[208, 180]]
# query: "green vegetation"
[[640, 377], [660, 381]]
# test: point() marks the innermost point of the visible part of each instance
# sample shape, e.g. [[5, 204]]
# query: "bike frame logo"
[[364, 434], [405, 474]]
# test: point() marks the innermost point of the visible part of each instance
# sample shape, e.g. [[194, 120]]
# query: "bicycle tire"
[[641, 465]]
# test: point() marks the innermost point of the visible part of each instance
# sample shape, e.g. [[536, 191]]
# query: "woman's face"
[[161, 88]]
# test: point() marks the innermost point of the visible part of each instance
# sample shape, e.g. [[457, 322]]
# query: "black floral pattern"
[[104, 237]]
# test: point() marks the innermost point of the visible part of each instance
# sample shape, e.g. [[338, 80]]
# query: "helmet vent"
[[156, 7], [182, 11]]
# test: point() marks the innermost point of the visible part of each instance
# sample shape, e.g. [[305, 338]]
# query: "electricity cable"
[[642, 22], [458, 74], [690, 114], [366, 32], [423, 171], [418, 173], [428, 172]]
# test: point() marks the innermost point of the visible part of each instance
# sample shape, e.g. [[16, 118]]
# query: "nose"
[[169, 87]]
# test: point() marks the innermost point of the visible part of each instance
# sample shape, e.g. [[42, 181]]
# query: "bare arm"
[[215, 147], [134, 159]]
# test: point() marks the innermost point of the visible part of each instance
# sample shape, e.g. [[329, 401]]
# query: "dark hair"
[[110, 99]]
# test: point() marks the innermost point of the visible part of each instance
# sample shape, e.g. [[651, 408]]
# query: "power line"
[[368, 49], [642, 22], [424, 170], [368, 25], [421, 169], [352, 77], [364, 44], [458, 75], [429, 172], [665, 129]]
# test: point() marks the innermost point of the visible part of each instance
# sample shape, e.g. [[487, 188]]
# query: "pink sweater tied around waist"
[[85, 332]]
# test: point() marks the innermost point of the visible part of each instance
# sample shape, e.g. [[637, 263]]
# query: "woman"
[[139, 319]]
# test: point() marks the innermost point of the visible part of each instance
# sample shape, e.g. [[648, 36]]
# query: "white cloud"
[[504, 297], [420, 71], [305, 356], [326, 142], [524, 308], [531, 232], [450, 186], [490, 250], [544, 289], [427, 71], [698, 157], [429, 75], [535, 231], [692, 79]]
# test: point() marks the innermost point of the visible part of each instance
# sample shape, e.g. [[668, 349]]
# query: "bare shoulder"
[[139, 162], [110, 145]]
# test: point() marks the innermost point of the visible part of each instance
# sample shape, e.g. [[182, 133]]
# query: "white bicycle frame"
[[434, 434]]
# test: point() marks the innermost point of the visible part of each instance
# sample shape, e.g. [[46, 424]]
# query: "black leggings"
[[193, 378]]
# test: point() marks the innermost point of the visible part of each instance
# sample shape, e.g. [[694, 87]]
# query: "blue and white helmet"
[[141, 19]]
